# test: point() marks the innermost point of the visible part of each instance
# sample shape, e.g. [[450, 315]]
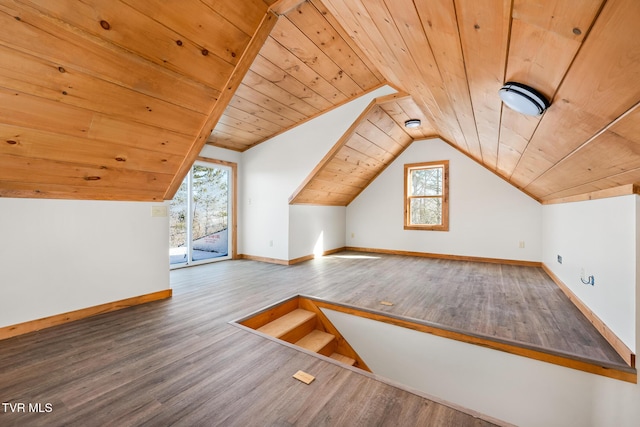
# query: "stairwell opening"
[[300, 322]]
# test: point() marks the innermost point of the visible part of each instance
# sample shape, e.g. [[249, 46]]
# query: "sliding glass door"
[[200, 216], [178, 221]]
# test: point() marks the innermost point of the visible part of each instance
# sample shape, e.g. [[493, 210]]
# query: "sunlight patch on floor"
[[356, 256]]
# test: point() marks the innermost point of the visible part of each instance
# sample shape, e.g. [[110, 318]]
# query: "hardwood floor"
[[513, 303], [180, 362]]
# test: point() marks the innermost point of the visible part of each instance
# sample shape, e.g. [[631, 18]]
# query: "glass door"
[[178, 221], [200, 215]]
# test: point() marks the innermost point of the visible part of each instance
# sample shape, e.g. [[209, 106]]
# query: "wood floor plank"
[[179, 361]]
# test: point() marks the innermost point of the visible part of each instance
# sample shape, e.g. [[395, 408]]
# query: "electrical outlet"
[[158, 211], [521, 244], [353, 235], [559, 259], [271, 243]]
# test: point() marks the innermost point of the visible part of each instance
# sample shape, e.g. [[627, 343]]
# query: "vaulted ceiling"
[[371, 144], [113, 99], [307, 66]]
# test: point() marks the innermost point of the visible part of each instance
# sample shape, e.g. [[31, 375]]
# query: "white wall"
[[603, 236], [515, 389], [273, 170], [315, 229], [218, 153], [58, 256], [487, 216], [599, 236]]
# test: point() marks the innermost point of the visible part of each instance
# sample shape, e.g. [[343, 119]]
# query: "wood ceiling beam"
[[609, 152], [243, 65], [281, 7], [623, 190]]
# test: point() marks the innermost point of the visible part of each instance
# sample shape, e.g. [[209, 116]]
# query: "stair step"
[[292, 326], [318, 342], [343, 359]]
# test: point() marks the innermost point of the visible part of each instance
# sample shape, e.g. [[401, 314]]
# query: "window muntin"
[[426, 196]]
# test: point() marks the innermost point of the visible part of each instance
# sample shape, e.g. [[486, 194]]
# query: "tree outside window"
[[426, 187]]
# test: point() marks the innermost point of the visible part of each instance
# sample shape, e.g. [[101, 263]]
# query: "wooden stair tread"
[[343, 359], [315, 341], [282, 325]]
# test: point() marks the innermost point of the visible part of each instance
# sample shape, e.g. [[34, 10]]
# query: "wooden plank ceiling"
[[113, 99], [307, 66], [452, 56], [375, 139]]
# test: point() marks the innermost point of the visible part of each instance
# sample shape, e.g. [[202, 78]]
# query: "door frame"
[[234, 199], [232, 218]]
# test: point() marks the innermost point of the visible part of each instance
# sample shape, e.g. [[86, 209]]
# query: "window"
[[426, 188]]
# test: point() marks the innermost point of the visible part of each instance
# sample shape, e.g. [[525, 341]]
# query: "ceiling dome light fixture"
[[412, 123], [523, 99]]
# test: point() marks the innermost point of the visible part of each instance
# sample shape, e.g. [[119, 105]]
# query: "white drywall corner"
[[273, 170]]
